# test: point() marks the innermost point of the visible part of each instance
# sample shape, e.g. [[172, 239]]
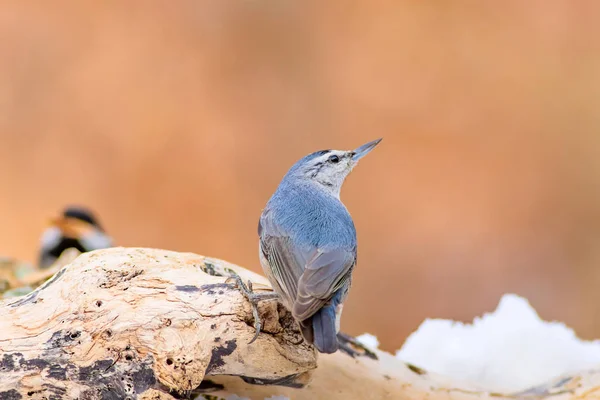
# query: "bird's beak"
[[363, 150]]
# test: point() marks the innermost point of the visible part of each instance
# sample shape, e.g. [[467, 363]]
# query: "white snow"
[[509, 350], [369, 341]]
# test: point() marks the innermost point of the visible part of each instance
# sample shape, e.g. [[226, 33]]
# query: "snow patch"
[[369, 341], [509, 350]]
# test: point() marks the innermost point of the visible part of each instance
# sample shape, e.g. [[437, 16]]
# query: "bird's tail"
[[324, 329]]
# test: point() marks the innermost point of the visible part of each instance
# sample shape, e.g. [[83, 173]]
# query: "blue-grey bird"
[[76, 227], [308, 242]]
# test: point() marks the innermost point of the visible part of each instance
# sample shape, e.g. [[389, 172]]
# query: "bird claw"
[[239, 283], [347, 344], [253, 299], [257, 323]]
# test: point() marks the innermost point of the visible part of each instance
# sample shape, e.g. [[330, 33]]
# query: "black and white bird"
[[76, 227]]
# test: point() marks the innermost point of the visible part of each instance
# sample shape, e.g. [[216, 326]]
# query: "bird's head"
[[75, 222], [329, 168]]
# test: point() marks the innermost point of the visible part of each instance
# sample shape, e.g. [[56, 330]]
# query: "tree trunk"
[[152, 324]]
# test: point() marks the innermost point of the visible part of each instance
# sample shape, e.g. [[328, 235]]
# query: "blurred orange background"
[[175, 122]]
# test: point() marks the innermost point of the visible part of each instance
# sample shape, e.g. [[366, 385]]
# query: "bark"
[[153, 324]]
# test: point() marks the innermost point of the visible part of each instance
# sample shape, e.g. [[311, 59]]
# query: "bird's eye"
[[334, 159]]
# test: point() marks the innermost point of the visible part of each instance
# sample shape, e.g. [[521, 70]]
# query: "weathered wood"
[[116, 323], [152, 324]]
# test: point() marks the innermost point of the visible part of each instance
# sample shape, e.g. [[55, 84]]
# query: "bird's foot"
[[349, 345], [253, 299]]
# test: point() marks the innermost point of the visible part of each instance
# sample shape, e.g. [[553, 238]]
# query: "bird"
[[77, 227], [307, 243]]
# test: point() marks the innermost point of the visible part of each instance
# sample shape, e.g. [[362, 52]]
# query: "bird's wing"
[[309, 276], [325, 273], [286, 261]]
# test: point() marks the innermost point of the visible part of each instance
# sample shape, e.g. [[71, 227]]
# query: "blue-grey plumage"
[[308, 245]]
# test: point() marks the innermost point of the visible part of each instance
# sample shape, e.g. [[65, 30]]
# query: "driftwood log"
[[132, 323]]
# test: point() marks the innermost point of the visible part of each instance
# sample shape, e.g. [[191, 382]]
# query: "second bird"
[[308, 242], [76, 227]]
